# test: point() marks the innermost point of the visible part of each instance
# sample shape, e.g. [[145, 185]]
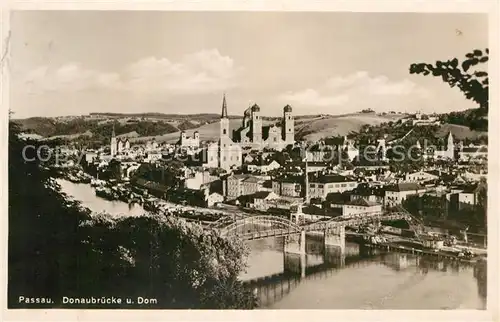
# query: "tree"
[[58, 248], [473, 83], [115, 170], [182, 265]]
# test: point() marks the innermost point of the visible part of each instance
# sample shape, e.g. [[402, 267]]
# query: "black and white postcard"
[[250, 158]]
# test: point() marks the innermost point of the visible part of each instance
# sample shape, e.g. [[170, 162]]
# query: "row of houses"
[[337, 194]]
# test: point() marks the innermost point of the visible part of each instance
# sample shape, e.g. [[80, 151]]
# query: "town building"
[[425, 120], [195, 180], [91, 156], [260, 200], [464, 197], [394, 195], [361, 206], [118, 145], [317, 166], [374, 195], [321, 185], [420, 176], [262, 167], [290, 186], [473, 152], [186, 141], [320, 153], [237, 185], [153, 157], [213, 199], [271, 203]]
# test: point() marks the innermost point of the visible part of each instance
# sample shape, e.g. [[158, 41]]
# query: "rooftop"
[[291, 179], [475, 149], [405, 186], [238, 177], [363, 202], [331, 178], [252, 179], [261, 194]]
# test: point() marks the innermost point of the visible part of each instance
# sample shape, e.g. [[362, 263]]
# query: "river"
[[355, 280]]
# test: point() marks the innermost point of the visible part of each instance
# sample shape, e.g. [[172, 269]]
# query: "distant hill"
[[460, 132], [197, 117], [167, 129], [318, 128], [132, 134], [70, 136], [39, 125]]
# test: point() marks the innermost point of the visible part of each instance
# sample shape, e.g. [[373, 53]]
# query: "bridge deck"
[[266, 225]]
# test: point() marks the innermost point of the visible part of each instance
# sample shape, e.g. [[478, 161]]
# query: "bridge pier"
[[335, 236], [295, 243], [295, 264], [294, 254], [332, 255]]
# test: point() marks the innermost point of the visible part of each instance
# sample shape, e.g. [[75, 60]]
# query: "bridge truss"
[[258, 227], [250, 227]]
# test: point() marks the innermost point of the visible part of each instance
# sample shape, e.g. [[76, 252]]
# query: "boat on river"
[[106, 193]]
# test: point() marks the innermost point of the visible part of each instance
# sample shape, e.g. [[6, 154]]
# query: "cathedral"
[[227, 152], [253, 134]]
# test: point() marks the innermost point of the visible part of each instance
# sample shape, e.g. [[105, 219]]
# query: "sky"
[[79, 62]]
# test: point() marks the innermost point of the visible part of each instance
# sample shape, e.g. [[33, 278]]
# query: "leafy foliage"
[[167, 173], [471, 118], [473, 83]]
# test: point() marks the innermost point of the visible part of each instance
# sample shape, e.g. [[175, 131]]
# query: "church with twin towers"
[[254, 133]]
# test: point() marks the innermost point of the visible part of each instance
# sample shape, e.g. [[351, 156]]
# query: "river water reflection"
[[86, 195], [357, 280]]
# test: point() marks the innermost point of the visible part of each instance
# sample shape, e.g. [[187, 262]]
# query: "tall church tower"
[[226, 157], [450, 151], [288, 125], [224, 120], [114, 145], [256, 125]]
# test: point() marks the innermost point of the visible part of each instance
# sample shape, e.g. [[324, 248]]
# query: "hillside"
[[315, 129], [39, 125], [71, 136], [460, 132]]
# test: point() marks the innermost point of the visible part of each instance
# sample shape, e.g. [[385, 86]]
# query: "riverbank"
[[118, 205], [437, 253]]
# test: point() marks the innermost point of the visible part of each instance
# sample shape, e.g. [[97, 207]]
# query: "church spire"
[[113, 133], [224, 107]]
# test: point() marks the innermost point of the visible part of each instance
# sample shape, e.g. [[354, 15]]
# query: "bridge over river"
[[248, 227]]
